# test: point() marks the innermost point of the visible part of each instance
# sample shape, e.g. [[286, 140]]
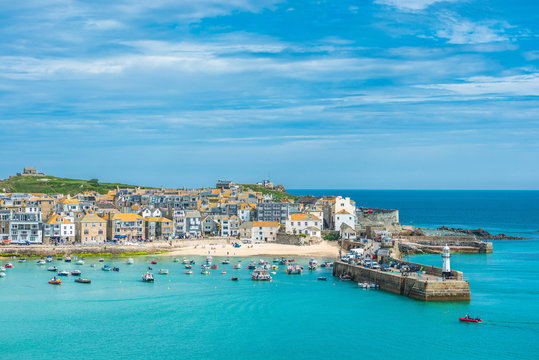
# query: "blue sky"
[[381, 94]]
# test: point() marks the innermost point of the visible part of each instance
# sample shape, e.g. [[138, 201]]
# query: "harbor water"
[[198, 316]]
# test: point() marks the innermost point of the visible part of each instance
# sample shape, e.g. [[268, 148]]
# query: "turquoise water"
[[201, 317]]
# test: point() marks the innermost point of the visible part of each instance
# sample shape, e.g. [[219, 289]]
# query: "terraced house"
[[125, 226], [159, 228], [91, 229], [58, 229], [26, 227]]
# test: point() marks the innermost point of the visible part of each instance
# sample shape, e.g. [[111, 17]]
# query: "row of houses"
[[229, 210]]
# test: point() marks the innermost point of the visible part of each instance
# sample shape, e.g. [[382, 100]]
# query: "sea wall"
[[415, 287], [435, 244], [379, 217]]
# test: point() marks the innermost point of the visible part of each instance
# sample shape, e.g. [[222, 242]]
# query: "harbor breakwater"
[[425, 287]]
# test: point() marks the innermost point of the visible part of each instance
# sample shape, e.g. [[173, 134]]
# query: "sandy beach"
[[323, 249]]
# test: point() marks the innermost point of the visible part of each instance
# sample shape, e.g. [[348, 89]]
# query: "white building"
[[345, 217], [26, 228], [302, 223]]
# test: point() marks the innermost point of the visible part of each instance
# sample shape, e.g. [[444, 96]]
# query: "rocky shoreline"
[[481, 234]]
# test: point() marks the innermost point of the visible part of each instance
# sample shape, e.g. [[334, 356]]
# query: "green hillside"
[[277, 195], [55, 185]]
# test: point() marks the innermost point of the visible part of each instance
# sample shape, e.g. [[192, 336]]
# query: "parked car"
[[375, 265], [385, 267]]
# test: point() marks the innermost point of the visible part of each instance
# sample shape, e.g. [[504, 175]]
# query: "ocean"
[[297, 317]]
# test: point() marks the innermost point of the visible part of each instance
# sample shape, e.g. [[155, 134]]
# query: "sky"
[[337, 94]]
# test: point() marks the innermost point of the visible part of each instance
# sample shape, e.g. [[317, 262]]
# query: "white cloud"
[[410, 5], [462, 31], [519, 85]]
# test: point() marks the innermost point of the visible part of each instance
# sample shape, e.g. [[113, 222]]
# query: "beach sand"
[[323, 249]]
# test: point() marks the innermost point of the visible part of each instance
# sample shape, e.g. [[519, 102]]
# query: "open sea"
[[297, 317]]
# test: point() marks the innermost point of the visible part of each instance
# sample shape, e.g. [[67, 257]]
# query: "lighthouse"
[[446, 268]]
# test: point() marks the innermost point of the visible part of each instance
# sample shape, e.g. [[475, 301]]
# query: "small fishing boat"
[[188, 272], [52, 268], [41, 262], [192, 262], [276, 260], [294, 270], [115, 268], [188, 266], [366, 285], [237, 266], [147, 277], [22, 260], [205, 272], [130, 261], [176, 260], [226, 262], [67, 259], [153, 262], [185, 261], [223, 272], [282, 261], [260, 275], [76, 273], [92, 265], [80, 262], [2, 269], [261, 262], [101, 260], [55, 281], [83, 281], [234, 278], [59, 258], [106, 268], [49, 258], [469, 319], [214, 267], [2, 274], [322, 278], [209, 259], [313, 264], [274, 267], [8, 265], [251, 266], [63, 273], [163, 272], [346, 277]]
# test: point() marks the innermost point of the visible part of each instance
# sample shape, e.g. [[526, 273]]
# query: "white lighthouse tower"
[[446, 268]]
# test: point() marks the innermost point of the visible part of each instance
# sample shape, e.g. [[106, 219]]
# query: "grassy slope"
[[277, 195], [55, 185]]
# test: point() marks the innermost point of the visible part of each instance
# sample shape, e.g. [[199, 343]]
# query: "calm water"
[[201, 317]]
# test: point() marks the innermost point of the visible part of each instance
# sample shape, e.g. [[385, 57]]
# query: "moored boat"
[[163, 272], [346, 277], [106, 268], [205, 272], [2, 274], [294, 270], [234, 278], [101, 260], [251, 266], [83, 281], [52, 268], [63, 273], [214, 267], [55, 281], [41, 262], [22, 260], [260, 275], [115, 268], [176, 260], [322, 278], [8, 265], [188, 266], [237, 266], [313, 264], [130, 261], [80, 262], [49, 258], [148, 277], [188, 272], [2, 269], [226, 262], [67, 259], [274, 267], [76, 273], [153, 262]]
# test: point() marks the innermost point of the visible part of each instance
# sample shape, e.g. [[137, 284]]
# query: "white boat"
[[294, 270], [80, 262], [130, 261], [147, 277], [52, 268], [260, 275], [163, 272], [67, 259], [2, 274], [63, 273], [237, 266], [188, 272], [313, 264], [41, 262], [176, 260], [2, 269], [49, 258], [205, 272], [209, 259], [185, 261], [22, 260]]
